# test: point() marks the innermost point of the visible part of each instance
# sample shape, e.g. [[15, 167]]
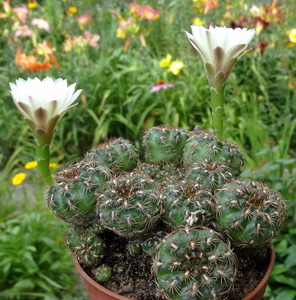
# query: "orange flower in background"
[[210, 4], [30, 61], [46, 49]]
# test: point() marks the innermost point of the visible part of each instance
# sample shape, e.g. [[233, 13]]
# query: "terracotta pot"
[[97, 292]]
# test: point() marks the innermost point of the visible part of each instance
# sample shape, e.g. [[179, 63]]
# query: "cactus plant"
[[180, 202], [249, 212]]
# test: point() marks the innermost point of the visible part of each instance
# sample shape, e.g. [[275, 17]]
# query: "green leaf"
[[50, 281], [285, 280], [290, 261], [286, 295], [24, 284], [278, 269]]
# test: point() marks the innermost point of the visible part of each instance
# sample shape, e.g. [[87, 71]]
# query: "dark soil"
[[132, 276]]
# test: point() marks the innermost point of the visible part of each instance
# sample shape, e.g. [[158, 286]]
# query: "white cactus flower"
[[43, 103], [219, 48]]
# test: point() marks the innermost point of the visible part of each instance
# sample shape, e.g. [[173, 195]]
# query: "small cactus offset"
[[249, 212], [181, 203], [194, 264]]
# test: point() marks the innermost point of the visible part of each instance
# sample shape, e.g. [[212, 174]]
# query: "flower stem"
[[217, 94], [43, 159]]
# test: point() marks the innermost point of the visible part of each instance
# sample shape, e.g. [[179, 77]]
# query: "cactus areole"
[[180, 206]]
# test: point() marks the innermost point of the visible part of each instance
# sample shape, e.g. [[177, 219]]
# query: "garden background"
[[137, 69]]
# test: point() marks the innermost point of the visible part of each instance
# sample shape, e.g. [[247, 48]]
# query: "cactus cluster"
[[181, 202]]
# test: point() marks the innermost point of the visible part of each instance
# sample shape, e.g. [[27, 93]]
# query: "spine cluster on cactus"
[[182, 204]]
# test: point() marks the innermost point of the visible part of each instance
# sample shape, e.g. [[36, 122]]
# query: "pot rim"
[[250, 296], [263, 281]]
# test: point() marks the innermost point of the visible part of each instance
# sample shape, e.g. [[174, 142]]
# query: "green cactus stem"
[[129, 204], [88, 247], [150, 243], [249, 213], [204, 145], [72, 197], [118, 154], [163, 144], [187, 204], [194, 264], [208, 173]]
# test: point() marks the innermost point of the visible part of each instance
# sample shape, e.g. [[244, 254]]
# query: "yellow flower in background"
[[165, 62], [292, 35], [18, 178], [30, 165], [198, 21], [175, 67], [32, 4], [53, 165], [120, 33], [73, 9]]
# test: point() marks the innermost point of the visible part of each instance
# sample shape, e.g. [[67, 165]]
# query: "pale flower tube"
[[219, 48]]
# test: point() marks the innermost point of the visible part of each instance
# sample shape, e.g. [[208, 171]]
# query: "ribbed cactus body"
[[119, 155], [194, 264], [129, 205], [205, 145], [71, 198], [208, 173], [150, 243], [87, 245], [187, 204], [249, 212], [163, 144]]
